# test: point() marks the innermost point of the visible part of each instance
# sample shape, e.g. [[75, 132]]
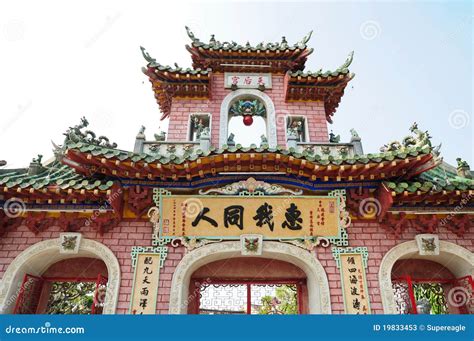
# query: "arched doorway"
[[424, 286], [69, 286], [317, 298], [248, 285], [251, 94], [403, 267], [38, 258]]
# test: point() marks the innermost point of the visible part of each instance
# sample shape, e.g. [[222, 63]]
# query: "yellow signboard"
[[145, 284], [356, 296], [227, 217]]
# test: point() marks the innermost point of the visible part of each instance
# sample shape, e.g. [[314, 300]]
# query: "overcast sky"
[[62, 60]]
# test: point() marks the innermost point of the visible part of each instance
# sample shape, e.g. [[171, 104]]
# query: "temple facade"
[[248, 204]]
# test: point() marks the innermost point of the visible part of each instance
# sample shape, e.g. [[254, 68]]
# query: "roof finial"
[[307, 37], [347, 63], [147, 56], [190, 34], [212, 41]]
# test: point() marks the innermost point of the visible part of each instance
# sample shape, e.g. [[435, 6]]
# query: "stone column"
[[357, 144], [139, 143], [205, 141]]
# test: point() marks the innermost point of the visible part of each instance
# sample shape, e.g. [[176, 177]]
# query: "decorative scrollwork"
[[251, 186], [308, 243]]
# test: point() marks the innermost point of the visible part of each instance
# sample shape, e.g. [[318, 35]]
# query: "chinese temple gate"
[[196, 221]]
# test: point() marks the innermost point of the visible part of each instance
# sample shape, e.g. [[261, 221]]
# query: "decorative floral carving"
[[75, 134], [420, 139], [251, 186], [308, 243], [69, 243], [248, 108]]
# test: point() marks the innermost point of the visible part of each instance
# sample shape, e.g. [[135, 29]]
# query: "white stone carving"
[[69, 242], [40, 256], [457, 259], [428, 244], [318, 287], [251, 244], [252, 93]]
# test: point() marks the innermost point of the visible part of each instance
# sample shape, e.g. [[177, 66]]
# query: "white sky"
[[61, 60]]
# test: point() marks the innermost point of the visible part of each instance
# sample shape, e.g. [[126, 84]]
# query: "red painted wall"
[[138, 233], [182, 108]]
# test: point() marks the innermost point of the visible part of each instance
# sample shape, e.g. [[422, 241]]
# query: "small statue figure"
[[333, 138], [38, 159], [463, 169], [462, 163], [230, 140], [198, 126], [263, 139], [354, 134], [295, 129], [142, 130], [160, 137]]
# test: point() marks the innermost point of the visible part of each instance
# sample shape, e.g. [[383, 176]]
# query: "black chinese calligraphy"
[[264, 216], [202, 216], [293, 218], [234, 215]]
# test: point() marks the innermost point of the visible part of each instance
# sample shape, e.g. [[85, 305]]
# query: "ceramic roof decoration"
[[228, 56], [176, 82]]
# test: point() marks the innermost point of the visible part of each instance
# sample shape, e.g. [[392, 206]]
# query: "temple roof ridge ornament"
[[76, 134], [343, 69], [251, 186], [232, 45], [421, 139], [152, 63]]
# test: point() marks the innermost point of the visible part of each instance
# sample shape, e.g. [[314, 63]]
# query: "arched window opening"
[[259, 287], [426, 287], [70, 286], [247, 123]]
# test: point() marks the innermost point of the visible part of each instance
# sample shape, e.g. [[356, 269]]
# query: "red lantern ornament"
[[248, 120]]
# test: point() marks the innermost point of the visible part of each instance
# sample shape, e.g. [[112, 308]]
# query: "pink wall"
[[182, 108], [137, 233], [81, 267]]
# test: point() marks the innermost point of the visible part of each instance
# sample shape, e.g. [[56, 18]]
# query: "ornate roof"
[[279, 57], [327, 86], [197, 163], [175, 82], [232, 56], [53, 176], [438, 186]]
